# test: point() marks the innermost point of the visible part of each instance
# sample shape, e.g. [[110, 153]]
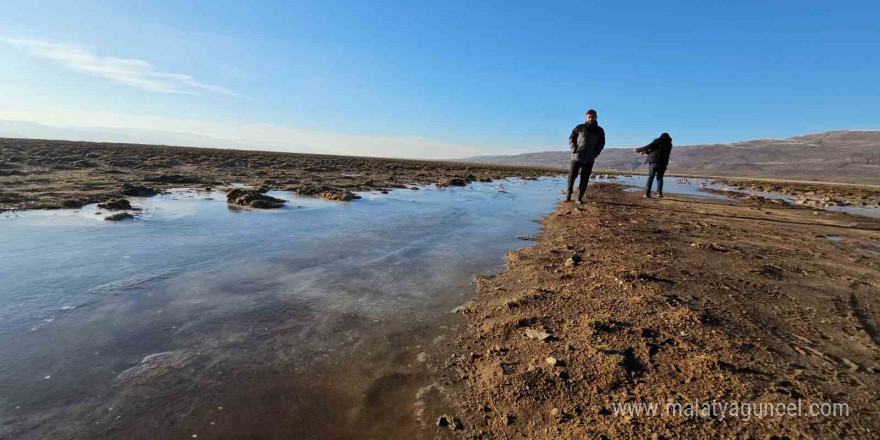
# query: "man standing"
[[658, 158], [586, 142]]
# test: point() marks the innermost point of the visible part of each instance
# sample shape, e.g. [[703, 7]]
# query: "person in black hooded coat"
[[658, 152]]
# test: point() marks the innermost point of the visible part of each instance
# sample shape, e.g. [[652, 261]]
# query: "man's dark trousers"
[[585, 169], [655, 170]]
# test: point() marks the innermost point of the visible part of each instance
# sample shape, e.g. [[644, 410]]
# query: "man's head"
[[591, 117]]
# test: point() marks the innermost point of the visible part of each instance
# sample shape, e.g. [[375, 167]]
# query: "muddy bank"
[[39, 174], [627, 300]]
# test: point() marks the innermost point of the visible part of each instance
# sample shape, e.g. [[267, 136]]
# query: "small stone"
[[574, 260], [552, 361], [452, 422], [508, 368], [535, 334]]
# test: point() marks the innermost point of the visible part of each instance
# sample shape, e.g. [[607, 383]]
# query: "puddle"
[[693, 187], [671, 185]]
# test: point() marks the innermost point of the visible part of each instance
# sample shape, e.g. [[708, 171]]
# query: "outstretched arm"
[[650, 147]]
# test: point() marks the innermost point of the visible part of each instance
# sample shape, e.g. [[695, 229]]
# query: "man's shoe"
[[568, 197], [659, 195], [580, 202], [647, 196]]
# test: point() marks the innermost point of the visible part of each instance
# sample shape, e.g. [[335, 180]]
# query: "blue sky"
[[443, 79]]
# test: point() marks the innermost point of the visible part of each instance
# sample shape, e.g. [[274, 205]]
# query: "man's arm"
[[572, 139], [650, 147], [601, 145]]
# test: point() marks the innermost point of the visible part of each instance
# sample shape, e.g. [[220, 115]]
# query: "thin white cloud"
[[132, 72]]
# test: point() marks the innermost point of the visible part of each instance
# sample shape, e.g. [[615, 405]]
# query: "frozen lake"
[[313, 321]]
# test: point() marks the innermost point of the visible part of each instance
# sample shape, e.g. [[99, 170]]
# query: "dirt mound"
[[555, 349]]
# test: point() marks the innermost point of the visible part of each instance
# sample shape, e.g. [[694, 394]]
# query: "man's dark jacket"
[[658, 151], [586, 142]]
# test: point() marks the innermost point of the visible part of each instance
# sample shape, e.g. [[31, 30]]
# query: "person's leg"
[[660, 173], [572, 174], [586, 169], [651, 171]]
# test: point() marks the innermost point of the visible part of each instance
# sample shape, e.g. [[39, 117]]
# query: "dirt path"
[[678, 301]]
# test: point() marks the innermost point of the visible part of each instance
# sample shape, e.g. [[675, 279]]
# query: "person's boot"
[[647, 195], [568, 197], [659, 195]]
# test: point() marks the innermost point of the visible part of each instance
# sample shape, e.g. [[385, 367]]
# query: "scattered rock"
[[452, 423], [455, 181], [507, 368], [115, 205], [174, 178], [574, 260], [72, 204], [253, 199], [535, 334], [717, 247], [119, 217], [509, 419], [338, 196], [137, 191]]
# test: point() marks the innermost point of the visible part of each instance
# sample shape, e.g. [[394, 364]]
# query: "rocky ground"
[[811, 194], [37, 174], [643, 300]]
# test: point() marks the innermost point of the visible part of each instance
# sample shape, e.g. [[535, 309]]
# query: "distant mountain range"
[[840, 156]]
